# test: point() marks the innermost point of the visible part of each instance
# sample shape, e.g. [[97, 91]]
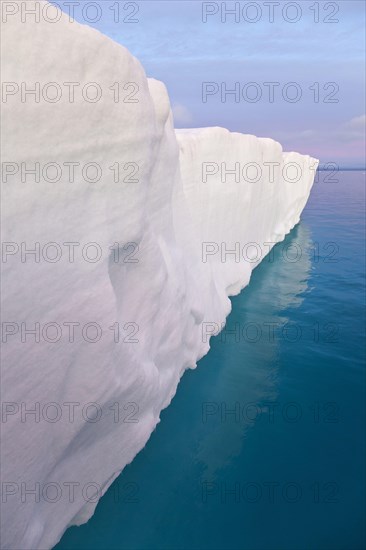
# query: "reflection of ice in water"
[[248, 371]]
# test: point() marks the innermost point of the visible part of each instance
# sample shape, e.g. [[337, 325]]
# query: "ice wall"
[[240, 189], [116, 289]]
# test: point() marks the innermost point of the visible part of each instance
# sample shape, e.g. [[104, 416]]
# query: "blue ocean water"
[[262, 447]]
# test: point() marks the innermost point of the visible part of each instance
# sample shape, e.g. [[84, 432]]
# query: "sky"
[[297, 68]]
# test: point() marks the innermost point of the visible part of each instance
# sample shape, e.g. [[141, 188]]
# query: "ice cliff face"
[[115, 232]]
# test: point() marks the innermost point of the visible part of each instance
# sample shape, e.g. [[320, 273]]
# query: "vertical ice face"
[[244, 195], [103, 317]]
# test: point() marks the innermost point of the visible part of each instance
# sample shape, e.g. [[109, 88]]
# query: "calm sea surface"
[[262, 447]]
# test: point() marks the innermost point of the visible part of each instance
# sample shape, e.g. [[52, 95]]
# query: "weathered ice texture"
[[116, 322]]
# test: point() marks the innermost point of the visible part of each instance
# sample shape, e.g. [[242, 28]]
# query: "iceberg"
[[122, 240]]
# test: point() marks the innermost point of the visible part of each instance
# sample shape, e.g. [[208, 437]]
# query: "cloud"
[[307, 133], [182, 115], [352, 131], [356, 126]]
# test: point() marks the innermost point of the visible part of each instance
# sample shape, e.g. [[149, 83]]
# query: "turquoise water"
[[262, 447]]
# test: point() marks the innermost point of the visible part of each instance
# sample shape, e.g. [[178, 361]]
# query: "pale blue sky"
[[176, 46]]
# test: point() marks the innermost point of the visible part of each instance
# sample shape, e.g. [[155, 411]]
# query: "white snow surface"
[[166, 295]]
